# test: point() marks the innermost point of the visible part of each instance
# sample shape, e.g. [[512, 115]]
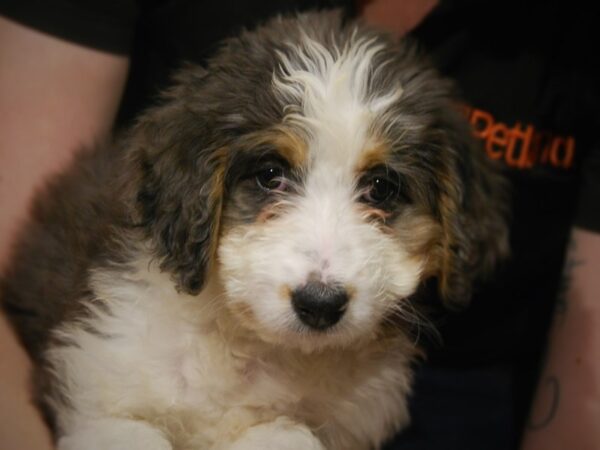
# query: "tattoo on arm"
[[571, 262], [549, 389]]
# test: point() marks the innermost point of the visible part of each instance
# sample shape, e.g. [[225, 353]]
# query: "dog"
[[239, 270]]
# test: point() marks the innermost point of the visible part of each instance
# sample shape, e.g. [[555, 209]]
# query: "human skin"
[[54, 98], [566, 410]]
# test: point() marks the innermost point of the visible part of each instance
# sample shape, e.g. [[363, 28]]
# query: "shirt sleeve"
[[102, 25]]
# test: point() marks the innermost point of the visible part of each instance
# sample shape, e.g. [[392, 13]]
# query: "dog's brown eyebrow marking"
[[291, 147], [373, 156]]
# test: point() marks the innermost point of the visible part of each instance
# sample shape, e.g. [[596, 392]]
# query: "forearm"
[[566, 410], [396, 17], [20, 424], [54, 98]]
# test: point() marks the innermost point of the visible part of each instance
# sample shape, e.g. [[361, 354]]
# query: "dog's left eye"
[[271, 179], [380, 188]]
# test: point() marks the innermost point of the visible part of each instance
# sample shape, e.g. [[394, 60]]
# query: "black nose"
[[319, 305]]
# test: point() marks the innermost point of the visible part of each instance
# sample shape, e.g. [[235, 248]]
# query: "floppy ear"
[[178, 192], [473, 211]]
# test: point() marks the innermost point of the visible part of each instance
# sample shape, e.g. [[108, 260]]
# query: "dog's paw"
[[281, 434], [115, 434]]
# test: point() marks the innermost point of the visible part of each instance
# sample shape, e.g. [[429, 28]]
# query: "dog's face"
[[323, 176]]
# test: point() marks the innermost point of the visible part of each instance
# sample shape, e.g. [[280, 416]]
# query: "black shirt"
[[527, 74]]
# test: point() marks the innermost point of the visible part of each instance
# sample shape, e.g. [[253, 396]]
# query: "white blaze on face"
[[323, 233], [332, 89]]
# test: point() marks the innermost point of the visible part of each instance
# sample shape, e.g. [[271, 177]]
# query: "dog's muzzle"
[[320, 305]]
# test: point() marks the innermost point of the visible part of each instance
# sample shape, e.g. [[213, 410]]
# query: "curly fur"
[[152, 287]]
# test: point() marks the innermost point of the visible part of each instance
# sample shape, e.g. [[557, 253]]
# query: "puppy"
[[237, 272]]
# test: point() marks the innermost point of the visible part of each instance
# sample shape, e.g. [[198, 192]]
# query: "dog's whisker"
[[407, 312]]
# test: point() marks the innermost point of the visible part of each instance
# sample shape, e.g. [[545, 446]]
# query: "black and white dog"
[[237, 272]]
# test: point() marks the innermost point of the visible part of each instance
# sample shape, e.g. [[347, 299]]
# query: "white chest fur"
[[180, 364]]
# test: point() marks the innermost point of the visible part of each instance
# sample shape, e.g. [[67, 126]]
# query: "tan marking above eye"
[[373, 156], [293, 148], [284, 141]]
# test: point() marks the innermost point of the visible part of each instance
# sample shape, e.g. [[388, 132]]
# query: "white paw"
[[282, 434], [114, 434]]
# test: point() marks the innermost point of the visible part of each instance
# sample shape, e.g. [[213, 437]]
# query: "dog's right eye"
[[382, 187], [271, 179]]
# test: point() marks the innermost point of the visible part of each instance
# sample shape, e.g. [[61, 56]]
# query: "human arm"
[[55, 97], [566, 410], [396, 17]]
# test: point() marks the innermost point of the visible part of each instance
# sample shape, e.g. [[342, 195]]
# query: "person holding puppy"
[[525, 102]]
